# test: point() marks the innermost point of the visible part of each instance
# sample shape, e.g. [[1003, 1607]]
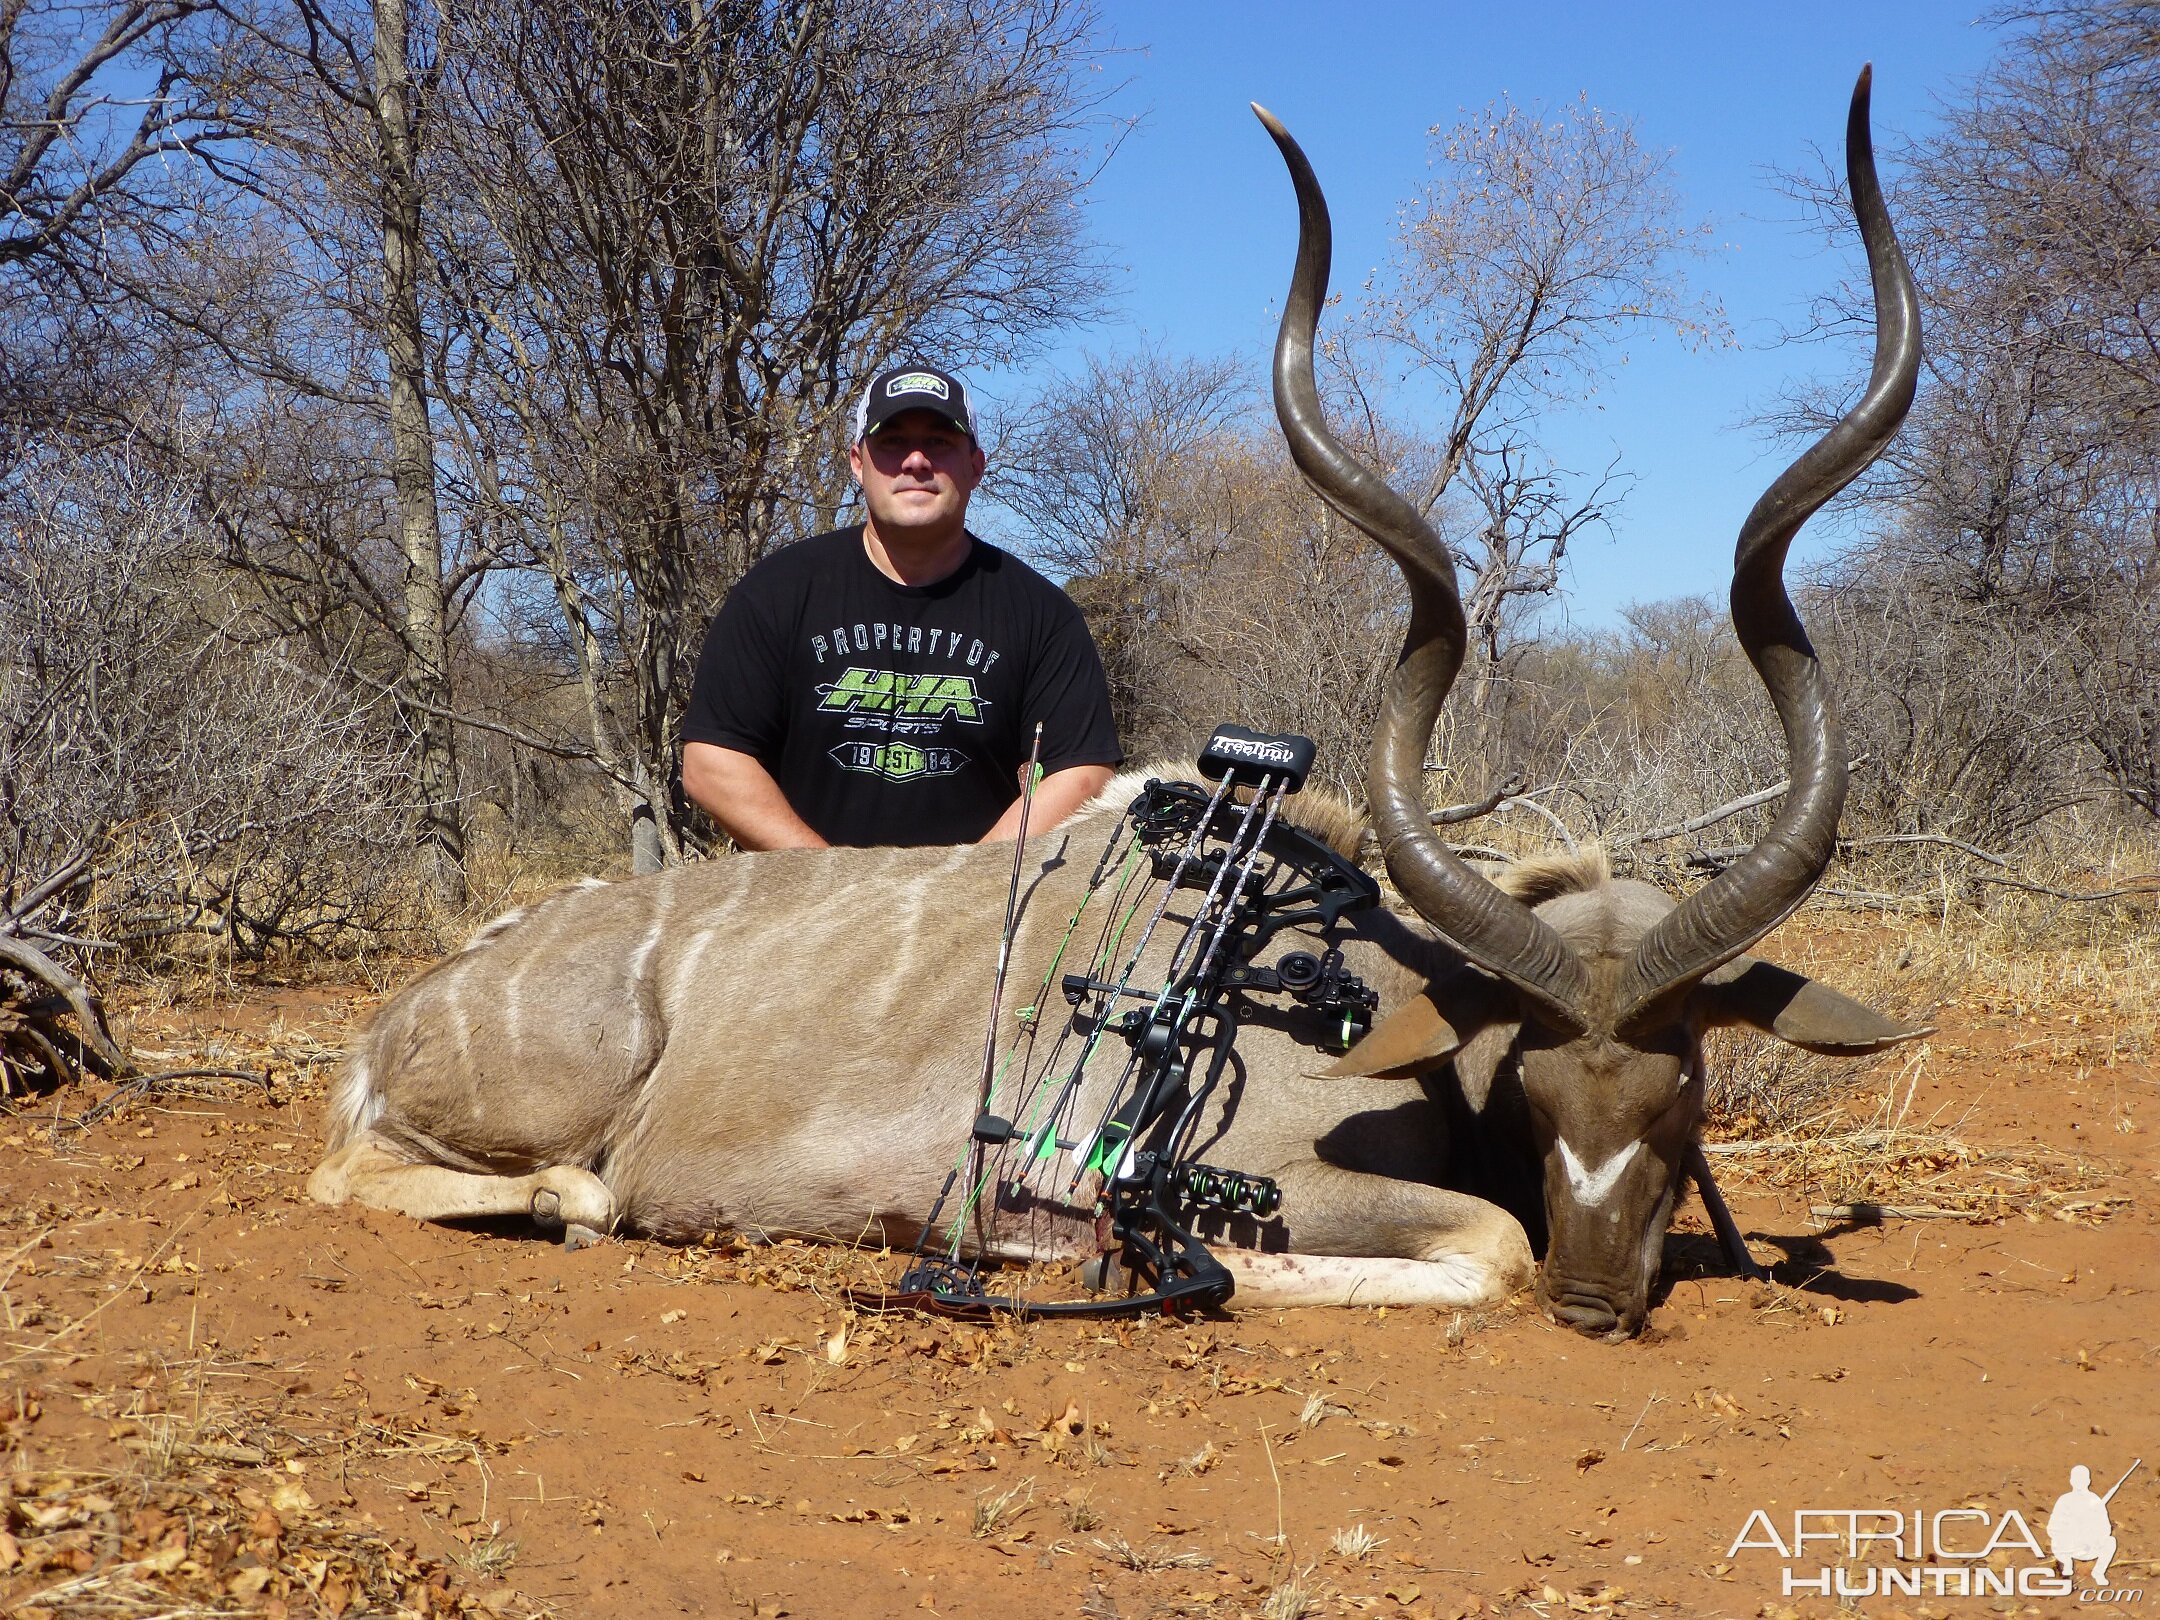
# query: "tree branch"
[[89, 1019], [1449, 815], [1724, 812]]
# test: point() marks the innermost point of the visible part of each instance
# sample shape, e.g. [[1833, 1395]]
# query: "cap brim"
[[929, 410]]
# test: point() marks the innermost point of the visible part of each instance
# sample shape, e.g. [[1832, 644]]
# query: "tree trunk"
[[412, 447]]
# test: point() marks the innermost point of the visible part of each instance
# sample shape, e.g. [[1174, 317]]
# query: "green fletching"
[[1109, 1148]]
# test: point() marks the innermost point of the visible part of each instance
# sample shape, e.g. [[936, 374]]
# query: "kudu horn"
[[1492, 929], [1757, 892]]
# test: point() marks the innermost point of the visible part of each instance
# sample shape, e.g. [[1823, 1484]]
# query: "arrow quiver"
[[1221, 845]]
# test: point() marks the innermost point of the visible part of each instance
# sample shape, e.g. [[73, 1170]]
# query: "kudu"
[[785, 1043]]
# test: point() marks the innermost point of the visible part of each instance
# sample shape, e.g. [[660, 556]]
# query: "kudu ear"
[[1414, 1036], [1417, 1034], [1794, 1008], [1478, 1063]]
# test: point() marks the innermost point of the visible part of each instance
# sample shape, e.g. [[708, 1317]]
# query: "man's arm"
[[740, 794], [1057, 796]]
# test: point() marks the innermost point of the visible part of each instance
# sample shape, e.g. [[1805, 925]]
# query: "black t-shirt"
[[898, 714]]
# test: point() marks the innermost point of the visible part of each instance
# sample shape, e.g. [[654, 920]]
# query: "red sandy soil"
[[221, 1398]]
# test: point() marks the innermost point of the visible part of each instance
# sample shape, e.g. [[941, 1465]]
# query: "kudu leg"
[[1728, 1230], [1373, 1240], [1275, 1281], [365, 1171]]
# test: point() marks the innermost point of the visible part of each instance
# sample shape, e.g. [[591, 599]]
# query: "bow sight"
[[1256, 875]]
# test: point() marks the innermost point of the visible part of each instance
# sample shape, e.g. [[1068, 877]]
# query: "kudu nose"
[[1584, 1312]]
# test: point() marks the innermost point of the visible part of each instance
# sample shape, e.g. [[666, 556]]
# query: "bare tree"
[[1215, 583], [93, 101], [397, 128], [1542, 243], [1538, 246], [1294, 625], [293, 313], [1974, 714], [2119, 680], [1126, 479], [2020, 541], [1525, 516]]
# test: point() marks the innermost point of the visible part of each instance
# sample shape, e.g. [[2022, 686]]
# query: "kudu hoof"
[[575, 1237]]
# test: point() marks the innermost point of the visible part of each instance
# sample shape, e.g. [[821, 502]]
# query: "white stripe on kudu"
[[1595, 1186]]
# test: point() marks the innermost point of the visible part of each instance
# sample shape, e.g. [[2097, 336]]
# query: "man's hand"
[[740, 794], [1057, 796]]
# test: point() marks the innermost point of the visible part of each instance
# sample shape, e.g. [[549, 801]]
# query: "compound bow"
[[1258, 875]]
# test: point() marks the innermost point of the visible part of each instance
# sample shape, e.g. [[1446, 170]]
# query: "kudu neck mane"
[[1551, 873]]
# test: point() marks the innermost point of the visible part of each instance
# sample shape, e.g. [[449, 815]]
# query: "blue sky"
[[1195, 211]]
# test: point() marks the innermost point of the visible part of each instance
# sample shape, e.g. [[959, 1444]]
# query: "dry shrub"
[[215, 785], [504, 868], [1297, 1594], [1151, 1557]]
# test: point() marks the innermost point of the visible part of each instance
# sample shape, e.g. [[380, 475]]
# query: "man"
[[880, 684]]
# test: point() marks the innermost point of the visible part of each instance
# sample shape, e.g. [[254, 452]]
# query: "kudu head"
[[1598, 992]]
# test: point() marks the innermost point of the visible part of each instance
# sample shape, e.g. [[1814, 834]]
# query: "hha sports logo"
[[908, 697], [1956, 1552]]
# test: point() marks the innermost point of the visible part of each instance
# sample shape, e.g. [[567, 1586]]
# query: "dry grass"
[[1862, 1176], [2029, 951], [489, 1557], [1293, 1597], [995, 1510], [2055, 994], [1761, 1086], [1847, 1160], [1355, 1543], [502, 870], [1154, 1556], [1318, 1409], [2094, 1004], [2083, 981]]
